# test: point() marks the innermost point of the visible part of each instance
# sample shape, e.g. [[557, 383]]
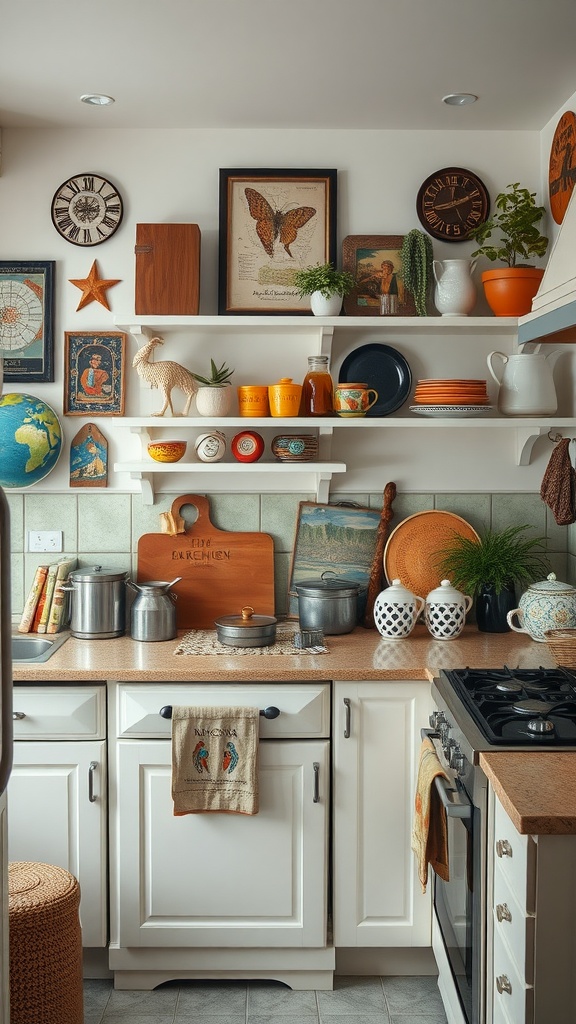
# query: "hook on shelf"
[[558, 437]]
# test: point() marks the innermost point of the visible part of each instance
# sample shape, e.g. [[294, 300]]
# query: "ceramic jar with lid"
[[445, 611], [548, 604], [396, 610]]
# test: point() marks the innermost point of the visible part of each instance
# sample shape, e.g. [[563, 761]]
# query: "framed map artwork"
[[94, 373], [272, 223], [27, 321]]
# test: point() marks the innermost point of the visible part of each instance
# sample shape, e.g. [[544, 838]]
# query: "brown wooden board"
[[221, 571], [167, 269]]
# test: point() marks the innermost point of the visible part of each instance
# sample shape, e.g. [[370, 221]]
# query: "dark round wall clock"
[[451, 202], [87, 209], [562, 167]]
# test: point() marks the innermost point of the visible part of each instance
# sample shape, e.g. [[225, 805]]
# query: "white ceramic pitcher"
[[455, 291], [526, 383]]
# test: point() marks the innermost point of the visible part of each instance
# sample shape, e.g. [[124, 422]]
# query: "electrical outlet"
[[45, 540]]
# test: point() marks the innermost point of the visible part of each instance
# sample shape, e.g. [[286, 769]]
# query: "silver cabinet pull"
[[316, 797], [347, 718], [503, 848], [503, 912], [18, 715], [503, 984], [91, 770]]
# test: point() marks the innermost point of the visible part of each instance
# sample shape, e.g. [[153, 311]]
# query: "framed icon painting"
[[94, 373]]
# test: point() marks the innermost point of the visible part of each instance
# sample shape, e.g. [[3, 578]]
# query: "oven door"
[[457, 903]]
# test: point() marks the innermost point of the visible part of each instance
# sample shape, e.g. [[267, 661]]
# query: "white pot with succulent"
[[214, 395], [326, 287]]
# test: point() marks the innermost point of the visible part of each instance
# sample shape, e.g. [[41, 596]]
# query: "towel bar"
[[272, 712]]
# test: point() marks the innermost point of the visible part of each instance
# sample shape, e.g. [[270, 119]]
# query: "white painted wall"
[[173, 176]]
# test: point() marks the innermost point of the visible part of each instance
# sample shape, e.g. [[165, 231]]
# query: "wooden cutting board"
[[221, 571]]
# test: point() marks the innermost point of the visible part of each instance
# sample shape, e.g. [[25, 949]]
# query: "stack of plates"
[[450, 397]]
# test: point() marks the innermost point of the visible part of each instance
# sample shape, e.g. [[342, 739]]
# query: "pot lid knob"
[[247, 613]]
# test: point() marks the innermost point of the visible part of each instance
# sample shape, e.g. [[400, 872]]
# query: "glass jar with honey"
[[317, 389]]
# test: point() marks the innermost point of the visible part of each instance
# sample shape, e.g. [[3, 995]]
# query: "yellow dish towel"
[[215, 760], [429, 832]]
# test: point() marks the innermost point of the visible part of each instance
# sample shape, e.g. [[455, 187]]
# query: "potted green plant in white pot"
[[214, 396], [326, 287], [510, 289]]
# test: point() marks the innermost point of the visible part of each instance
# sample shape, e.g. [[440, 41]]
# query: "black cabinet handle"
[[271, 712]]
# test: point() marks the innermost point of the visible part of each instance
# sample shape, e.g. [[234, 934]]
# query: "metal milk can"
[[153, 613]]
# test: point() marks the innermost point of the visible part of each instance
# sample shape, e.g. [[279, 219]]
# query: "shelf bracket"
[[323, 487], [146, 482], [526, 438]]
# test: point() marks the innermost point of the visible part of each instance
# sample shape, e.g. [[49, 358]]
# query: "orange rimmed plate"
[[413, 548]]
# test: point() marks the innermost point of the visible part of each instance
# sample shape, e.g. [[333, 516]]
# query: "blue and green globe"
[[30, 440]]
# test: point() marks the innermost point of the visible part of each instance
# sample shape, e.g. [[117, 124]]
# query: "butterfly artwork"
[[274, 224]]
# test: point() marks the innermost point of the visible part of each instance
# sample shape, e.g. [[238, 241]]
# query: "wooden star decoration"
[[93, 288]]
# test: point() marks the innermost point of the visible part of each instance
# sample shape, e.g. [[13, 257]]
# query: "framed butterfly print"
[[273, 223]]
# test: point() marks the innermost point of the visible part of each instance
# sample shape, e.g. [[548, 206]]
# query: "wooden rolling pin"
[[376, 580]]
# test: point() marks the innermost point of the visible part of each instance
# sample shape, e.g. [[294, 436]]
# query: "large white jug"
[[526, 384], [455, 291]]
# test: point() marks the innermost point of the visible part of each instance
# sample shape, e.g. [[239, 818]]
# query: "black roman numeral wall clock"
[[87, 209], [451, 202]]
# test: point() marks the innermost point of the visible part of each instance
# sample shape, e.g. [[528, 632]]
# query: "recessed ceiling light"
[[97, 99], [459, 99]]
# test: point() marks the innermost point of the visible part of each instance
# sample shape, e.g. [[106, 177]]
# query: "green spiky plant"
[[516, 219], [219, 376], [323, 278], [417, 256], [498, 559]]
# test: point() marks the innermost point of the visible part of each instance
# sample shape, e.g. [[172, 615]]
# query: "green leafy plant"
[[219, 376], [498, 559], [516, 219], [323, 278], [417, 255]]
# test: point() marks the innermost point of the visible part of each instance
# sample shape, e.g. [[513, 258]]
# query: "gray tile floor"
[[354, 1000]]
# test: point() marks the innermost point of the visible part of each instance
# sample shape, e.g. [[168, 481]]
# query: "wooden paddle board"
[[221, 571]]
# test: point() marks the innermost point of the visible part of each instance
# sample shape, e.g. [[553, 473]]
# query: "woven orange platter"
[[413, 549]]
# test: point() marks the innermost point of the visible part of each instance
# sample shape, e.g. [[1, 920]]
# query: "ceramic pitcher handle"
[[467, 603], [489, 358], [420, 605], [437, 275], [370, 391], [509, 617]]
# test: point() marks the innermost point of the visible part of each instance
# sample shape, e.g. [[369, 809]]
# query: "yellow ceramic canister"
[[284, 397], [253, 400]]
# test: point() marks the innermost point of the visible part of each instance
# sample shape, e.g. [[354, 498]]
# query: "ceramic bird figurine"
[[165, 375]]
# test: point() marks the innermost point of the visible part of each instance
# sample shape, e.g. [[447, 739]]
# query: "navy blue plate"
[[382, 368]]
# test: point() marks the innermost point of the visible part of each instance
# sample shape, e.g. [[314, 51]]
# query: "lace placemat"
[[205, 641]]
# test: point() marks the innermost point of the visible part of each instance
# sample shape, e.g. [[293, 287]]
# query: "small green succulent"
[[219, 376]]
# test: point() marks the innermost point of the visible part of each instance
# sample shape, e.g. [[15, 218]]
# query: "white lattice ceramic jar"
[[445, 611], [396, 610]]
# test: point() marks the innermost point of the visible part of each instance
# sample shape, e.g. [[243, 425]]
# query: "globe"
[[30, 440]]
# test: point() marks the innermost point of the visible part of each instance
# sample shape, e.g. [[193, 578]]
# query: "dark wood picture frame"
[[363, 256], [94, 373], [272, 222], [27, 290]]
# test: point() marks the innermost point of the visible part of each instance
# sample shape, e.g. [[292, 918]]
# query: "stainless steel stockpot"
[[97, 602], [328, 603]]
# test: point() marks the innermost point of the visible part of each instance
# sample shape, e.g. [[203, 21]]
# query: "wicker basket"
[[562, 646]]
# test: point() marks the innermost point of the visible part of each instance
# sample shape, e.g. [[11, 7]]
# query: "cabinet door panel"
[[223, 879], [51, 819]]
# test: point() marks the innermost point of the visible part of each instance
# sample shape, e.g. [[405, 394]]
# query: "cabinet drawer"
[[304, 707], [511, 994], [516, 928], [59, 712], [514, 859]]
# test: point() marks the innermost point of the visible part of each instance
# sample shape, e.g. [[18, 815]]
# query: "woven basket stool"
[[45, 945]]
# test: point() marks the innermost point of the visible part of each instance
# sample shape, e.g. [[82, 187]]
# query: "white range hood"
[[553, 316]]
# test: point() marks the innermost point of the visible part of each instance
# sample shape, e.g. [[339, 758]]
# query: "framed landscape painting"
[[27, 321], [375, 262], [272, 223]]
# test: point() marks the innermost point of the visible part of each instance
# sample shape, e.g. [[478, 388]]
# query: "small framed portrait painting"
[[375, 262], [94, 373]]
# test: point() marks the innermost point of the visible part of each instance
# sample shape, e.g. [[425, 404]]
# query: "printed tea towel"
[[215, 760], [429, 830]]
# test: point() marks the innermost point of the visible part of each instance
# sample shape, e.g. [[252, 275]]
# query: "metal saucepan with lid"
[[246, 629], [97, 602], [329, 603]]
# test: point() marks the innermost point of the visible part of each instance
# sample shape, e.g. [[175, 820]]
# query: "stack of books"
[[46, 607]]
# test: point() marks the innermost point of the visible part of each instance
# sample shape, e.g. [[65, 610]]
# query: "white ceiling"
[[286, 63]]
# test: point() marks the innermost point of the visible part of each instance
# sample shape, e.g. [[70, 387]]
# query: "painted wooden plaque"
[[89, 458]]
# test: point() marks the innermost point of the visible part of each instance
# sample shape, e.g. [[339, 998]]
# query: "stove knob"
[[436, 718], [444, 730], [457, 759]]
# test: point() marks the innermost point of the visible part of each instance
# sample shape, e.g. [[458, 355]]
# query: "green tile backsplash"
[[105, 528]]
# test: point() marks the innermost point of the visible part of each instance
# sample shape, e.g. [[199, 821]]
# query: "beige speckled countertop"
[[537, 789]]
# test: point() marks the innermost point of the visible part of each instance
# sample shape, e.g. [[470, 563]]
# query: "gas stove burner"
[[534, 707], [509, 686], [540, 725]]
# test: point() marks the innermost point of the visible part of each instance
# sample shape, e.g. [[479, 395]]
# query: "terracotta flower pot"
[[509, 290]]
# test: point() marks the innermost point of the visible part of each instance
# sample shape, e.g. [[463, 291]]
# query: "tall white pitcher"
[[526, 383], [455, 291]]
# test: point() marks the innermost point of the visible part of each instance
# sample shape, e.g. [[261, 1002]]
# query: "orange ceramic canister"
[[253, 400], [284, 397]]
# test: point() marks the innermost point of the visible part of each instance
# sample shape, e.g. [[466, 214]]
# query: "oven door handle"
[[453, 800]]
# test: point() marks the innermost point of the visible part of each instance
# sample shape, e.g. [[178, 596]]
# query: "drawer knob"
[[503, 848], [503, 912], [503, 984], [18, 716]]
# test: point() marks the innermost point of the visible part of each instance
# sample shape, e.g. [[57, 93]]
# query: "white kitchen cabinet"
[[57, 800], [531, 929], [376, 744]]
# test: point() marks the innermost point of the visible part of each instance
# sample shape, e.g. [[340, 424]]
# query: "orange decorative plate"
[[413, 548]]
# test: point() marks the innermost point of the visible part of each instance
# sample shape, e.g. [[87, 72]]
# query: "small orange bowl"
[[166, 451]]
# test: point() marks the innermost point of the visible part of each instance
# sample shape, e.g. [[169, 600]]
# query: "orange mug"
[[253, 400], [284, 397], [353, 399]]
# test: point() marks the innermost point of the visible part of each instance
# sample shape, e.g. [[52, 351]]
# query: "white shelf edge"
[[230, 467], [332, 423], [493, 324]]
